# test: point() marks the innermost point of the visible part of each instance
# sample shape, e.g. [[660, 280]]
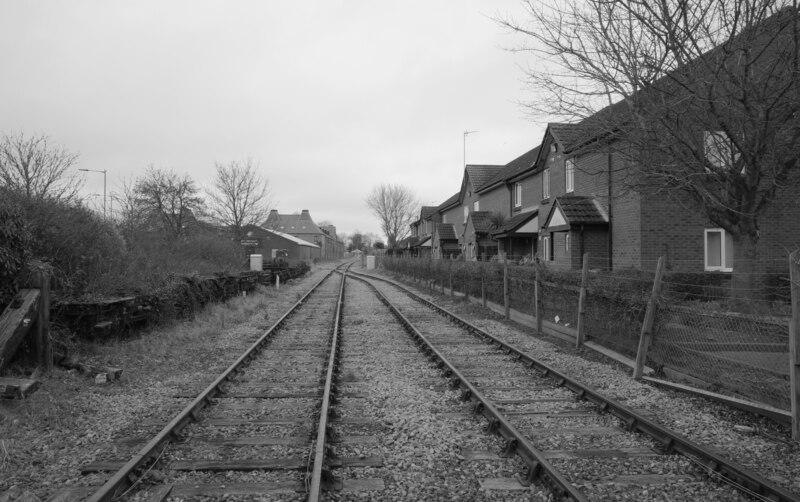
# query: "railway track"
[[336, 402], [577, 442], [255, 430]]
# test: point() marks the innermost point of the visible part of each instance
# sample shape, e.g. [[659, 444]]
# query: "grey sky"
[[330, 97]]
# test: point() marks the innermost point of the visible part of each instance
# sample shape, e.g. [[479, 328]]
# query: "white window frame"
[[444, 218], [547, 254], [566, 243], [719, 150], [476, 205], [546, 183], [517, 194], [723, 251], [466, 212], [569, 174]]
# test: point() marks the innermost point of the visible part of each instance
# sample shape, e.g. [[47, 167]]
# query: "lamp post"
[[104, 186], [466, 133]]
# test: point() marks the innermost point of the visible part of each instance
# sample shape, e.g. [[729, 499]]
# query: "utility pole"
[[104, 186], [466, 133]]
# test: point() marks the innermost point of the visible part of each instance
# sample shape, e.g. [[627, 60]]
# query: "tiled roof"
[[446, 231], [292, 223], [516, 166], [480, 174], [449, 202], [427, 211], [579, 209], [481, 221], [516, 221], [292, 238]]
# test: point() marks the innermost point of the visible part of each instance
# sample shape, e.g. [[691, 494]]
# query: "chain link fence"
[[694, 338]]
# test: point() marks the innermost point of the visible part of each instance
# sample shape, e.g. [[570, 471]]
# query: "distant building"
[[273, 244], [303, 227]]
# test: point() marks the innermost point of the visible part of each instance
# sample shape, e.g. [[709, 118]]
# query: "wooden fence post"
[[649, 318], [537, 301], [582, 303], [450, 270], [506, 299], [483, 284], [43, 348], [794, 342]]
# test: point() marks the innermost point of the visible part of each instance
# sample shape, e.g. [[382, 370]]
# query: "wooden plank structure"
[[16, 322]]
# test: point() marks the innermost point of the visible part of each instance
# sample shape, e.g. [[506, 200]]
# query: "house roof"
[[579, 209], [516, 166], [408, 242], [515, 222], [296, 240], [427, 211], [480, 174], [294, 223], [449, 202], [610, 119], [446, 231], [481, 221]]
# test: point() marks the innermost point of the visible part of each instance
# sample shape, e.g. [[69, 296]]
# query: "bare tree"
[[239, 195], [36, 168], [703, 97], [396, 207], [168, 197]]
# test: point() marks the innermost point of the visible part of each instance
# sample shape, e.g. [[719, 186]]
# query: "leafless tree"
[[31, 165], [169, 198], [698, 97], [396, 207], [239, 195]]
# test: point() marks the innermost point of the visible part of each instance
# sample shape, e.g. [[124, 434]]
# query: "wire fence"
[[727, 335]]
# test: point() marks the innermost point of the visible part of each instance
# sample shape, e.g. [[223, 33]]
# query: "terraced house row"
[[574, 191]]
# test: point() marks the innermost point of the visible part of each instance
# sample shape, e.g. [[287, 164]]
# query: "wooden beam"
[[42, 346], [649, 319], [17, 388], [16, 321], [582, 303]]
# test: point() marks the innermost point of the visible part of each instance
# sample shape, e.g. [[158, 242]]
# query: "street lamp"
[[466, 133], [104, 186]]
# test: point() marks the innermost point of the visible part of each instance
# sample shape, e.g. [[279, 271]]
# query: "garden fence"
[[739, 354]]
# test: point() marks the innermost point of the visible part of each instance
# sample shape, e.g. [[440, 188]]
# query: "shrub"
[[14, 248]]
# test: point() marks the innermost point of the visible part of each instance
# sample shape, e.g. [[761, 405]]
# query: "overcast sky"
[[330, 97]]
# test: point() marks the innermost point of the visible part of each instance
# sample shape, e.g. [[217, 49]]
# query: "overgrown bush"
[[14, 248]]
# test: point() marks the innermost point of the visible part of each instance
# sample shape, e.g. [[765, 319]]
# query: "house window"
[[517, 194], [548, 247], [566, 242], [466, 213], [569, 171], [719, 150], [444, 218], [476, 205], [718, 250], [546, 184]]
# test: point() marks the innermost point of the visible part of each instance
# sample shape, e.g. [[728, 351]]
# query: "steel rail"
[[539, 468], [669, 440], [122, 479], [315, 492]]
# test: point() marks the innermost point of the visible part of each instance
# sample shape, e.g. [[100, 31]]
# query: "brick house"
[[303, 227], [270, 244], [444, 242]]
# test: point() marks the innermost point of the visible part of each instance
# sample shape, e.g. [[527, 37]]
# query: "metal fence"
[[742, 355]]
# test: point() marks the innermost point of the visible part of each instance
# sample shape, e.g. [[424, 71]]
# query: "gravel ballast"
[[768, 450]]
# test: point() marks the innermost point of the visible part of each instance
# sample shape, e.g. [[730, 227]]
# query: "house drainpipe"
[[610, 219]]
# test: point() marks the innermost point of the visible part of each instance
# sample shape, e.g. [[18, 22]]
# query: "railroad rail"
[[508, 414], [274, 393]]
